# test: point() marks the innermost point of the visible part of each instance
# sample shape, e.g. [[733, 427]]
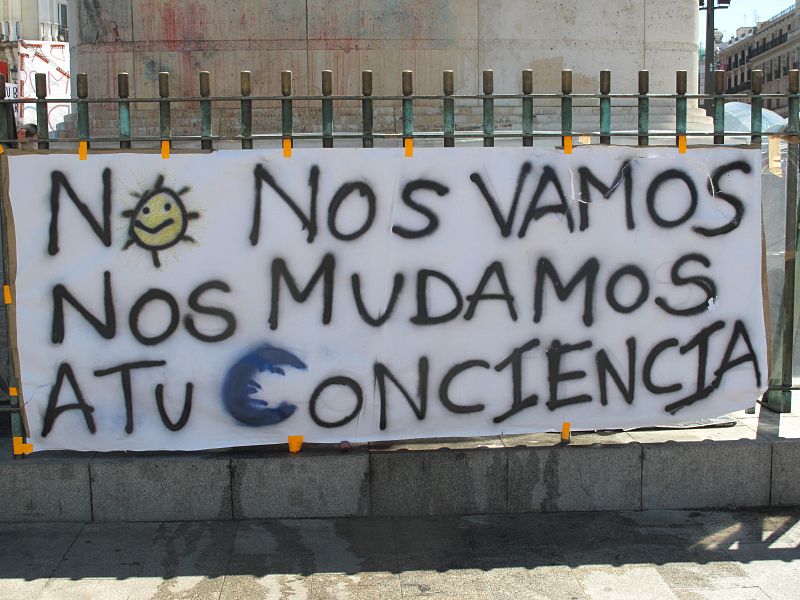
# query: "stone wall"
[[143, 37]]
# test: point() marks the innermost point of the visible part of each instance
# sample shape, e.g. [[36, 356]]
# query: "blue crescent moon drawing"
[[239, 386]]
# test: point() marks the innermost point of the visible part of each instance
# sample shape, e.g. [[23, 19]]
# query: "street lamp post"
[[710, 64]]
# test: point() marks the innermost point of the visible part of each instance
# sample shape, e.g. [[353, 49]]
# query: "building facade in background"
[[183, 37], [29, 20], [773, 46]]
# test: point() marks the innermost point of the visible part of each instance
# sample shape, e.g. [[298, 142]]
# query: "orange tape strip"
[[12, 391], [287, 148], [2, 149], [20, 447], [567, 144], [165, 149], [295, 443], [408, 144], [565, 432], [681, 144], [83, 150], [7, 294]]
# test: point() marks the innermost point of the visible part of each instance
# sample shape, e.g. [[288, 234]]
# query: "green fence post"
[[566, 110], [7, 130], [719, 107], [366, 109], [756, 105], [644, 108], [124, 111], [82, 92], [327, 109], [164, 113], [17, 427], [448, 104], [527, 108], [779, 393], [246, 110], [605, 107], [286, 107], [680, 106], [408, 106], [42, 127], [488, 109], [205, 111]]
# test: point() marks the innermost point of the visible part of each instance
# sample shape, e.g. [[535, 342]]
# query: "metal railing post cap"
[[566, 81], [163, 84], [366, 82], [448, 82], [488, 82], [286, 83], [327, 82], [408, 82]]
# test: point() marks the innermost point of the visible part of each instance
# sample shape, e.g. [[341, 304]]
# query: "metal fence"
[[781, 290]]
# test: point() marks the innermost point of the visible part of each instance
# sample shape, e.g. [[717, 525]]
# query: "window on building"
[[63, 32]]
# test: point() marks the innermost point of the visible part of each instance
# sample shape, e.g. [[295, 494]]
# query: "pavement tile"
[[774, 571], [752, 554], [361, 586], [33, 551], [621, 583], [263, 549], [712, 575], [507, 532], [349, 546], [268, 587], [749, 593], [91, 589], [108, 550], [476, 584]]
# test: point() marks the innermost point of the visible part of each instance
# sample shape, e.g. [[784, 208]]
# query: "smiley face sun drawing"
[[159, 220]]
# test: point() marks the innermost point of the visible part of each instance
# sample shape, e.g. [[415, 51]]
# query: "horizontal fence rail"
[[566, 102]]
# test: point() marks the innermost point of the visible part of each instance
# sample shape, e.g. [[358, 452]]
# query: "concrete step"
[[754, 463]]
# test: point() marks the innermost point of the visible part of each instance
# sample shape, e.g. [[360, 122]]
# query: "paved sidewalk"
[[641, 555]]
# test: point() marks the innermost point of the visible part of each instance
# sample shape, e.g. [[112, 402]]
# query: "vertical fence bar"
[[246, 110], [82, 92], [7, 133], [605, 107], [41, 111], [366, 109], [527, 108], [7, 130], [680, 106], [566, 110], [205, 110], [793, 164], [124, 110], [779, 395], [164, 113], [756, 105], [644, 108], [408, 105], [448, 105], [286, 106], [719, 107], [488, 109], [327, 109]]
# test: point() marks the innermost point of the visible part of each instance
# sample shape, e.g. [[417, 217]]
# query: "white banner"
[[239, 297]]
